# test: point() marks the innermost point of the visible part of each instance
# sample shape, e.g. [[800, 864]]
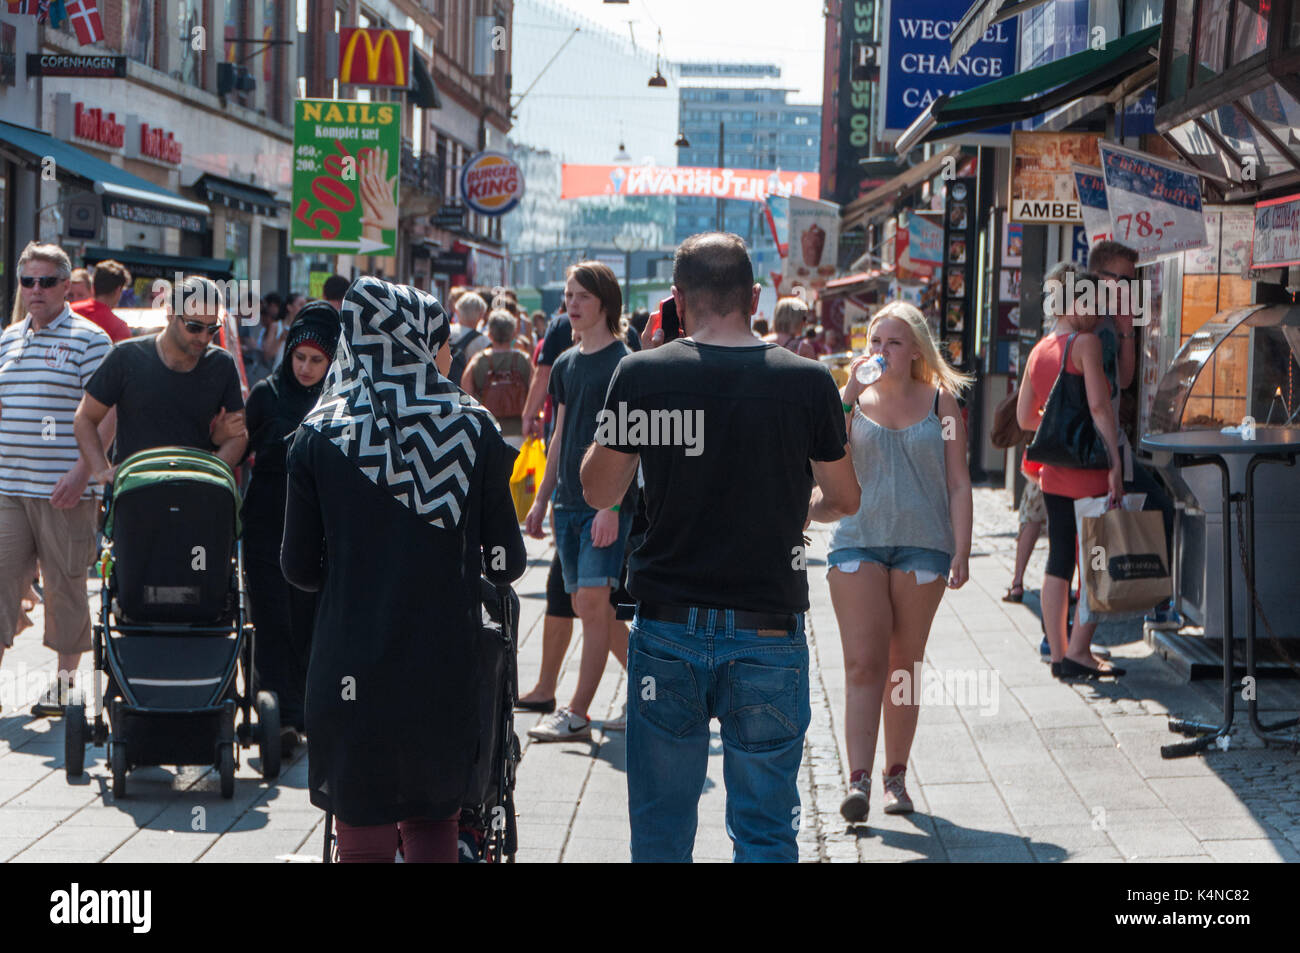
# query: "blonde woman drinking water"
[[889, 562]]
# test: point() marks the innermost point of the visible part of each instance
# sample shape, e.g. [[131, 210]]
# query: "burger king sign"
[[491, 183]]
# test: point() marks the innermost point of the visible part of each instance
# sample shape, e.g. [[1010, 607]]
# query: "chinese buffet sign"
[[754, 185], [346, 156]]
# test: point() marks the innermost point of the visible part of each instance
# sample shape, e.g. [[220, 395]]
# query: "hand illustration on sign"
[[378, 205]]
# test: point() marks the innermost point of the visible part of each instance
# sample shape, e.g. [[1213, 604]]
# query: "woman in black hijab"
[[282, 614], [399, 500]]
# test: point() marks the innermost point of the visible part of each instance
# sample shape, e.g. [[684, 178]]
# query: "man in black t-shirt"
[[740, 443], [175, 388]]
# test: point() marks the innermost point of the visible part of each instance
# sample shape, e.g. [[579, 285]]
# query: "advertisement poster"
[[1090, 187], [1277, 233], [1042, 175], [1205, 261], [814, 239], [1155, 206], [1237, 228], [346, 156], [925, 241], [1013, 243], [915, 70], [754, 185]]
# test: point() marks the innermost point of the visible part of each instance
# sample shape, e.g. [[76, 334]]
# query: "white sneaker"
[[616, 724], [561, 725]]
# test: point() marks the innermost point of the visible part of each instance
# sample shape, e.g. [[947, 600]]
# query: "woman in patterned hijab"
[[398, 502]]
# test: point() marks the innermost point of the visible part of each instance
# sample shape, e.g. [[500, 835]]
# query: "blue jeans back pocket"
[[763, 710], [666, 691]]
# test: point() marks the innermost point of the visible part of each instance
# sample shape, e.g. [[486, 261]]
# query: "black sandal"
[[1014, 596], [1069, 668]]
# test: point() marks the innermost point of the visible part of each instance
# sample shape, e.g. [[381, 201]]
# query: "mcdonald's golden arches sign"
[[374, 57]]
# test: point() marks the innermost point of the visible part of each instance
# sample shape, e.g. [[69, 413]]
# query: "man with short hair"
[[741, 444], [46, 512], [173, 388], [336, 286], [466, 340], [109, 281]]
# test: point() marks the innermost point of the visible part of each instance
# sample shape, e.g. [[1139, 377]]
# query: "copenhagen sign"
[[374, 68], [60, 64], [491, 183]]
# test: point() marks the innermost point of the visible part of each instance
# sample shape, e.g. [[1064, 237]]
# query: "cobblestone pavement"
[[1032, 770]]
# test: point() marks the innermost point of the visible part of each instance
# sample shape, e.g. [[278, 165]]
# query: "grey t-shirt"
[[579, 382]]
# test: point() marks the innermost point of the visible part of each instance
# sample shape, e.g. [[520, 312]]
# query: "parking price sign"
[[346, 160]]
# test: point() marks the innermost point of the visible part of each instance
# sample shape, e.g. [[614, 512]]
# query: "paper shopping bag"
[[1125, 561], [530, 467]]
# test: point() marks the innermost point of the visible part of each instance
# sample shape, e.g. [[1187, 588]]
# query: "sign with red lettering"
[[491, 183], [157, 144], [93, 125]]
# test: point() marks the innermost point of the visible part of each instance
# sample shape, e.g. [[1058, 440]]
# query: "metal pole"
[[722, 138]]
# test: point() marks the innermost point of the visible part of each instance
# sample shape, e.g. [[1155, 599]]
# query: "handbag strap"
[[1065, 355]]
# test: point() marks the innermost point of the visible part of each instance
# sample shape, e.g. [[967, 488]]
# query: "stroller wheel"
[[74, 740], [117, 760], [268, 734], [226, 768]]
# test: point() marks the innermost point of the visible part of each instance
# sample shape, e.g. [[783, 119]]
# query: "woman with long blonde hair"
[[890, 561]]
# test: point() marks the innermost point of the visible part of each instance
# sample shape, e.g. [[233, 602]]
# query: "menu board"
[[1155, 206], [1277, 233]]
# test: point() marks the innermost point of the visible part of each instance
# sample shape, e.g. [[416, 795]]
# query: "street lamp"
[[627, 243]]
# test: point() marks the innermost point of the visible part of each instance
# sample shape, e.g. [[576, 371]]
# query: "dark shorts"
[[559, 603]]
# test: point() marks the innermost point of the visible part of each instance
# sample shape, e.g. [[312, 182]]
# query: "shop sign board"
[[753, 185], [1277, 233], [916, 71], [1090, 186], [346, 157], [1042, 176], [491, 183], [84, 67], [925, 241], [1155, 206], [386, 60]]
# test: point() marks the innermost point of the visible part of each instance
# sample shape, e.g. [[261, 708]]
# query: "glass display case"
[[1239, 375]]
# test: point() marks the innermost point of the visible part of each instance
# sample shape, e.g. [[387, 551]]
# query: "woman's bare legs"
[[914, 607], [861, 603]]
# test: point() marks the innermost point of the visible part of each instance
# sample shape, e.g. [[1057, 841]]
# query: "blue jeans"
[[681, 675]]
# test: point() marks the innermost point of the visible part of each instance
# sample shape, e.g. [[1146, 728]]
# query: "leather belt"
[[743, 619]]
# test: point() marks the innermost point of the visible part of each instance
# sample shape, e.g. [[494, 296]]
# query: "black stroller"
[[173, 636], [487, 821]]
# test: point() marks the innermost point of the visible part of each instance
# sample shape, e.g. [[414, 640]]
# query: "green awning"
[[104, 177], [146, 264], [1033, 92]]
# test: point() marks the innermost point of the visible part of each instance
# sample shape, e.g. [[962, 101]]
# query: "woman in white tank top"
[[912, 533]]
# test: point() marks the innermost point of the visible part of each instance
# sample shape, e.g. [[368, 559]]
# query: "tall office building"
[[759, 130]]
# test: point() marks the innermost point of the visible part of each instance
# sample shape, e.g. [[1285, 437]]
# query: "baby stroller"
[[173, 634], [487, 821]]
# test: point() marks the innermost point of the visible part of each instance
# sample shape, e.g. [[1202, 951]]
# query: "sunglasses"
[[199, 327], [45, 281]]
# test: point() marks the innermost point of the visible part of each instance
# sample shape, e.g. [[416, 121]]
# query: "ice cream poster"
[[814, 239]]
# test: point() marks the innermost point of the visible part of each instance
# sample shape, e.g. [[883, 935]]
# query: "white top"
[[42, 376]]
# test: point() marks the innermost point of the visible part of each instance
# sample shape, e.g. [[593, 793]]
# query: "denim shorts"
[[581, 563], [914, 559]]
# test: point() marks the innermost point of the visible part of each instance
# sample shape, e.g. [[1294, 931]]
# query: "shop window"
[[189, 64], [1249, 29], [138, 30], [1211, 36]]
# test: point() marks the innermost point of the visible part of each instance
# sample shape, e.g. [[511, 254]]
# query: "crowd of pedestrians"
[[377, 442]]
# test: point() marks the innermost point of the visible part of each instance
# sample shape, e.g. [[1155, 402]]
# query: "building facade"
[[743, 127]]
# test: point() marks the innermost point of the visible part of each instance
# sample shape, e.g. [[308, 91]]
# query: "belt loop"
[[731, 623], [692, 621], [712, 624]]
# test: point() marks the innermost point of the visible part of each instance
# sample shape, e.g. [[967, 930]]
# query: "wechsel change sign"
[[1155, 206], [346, 158]]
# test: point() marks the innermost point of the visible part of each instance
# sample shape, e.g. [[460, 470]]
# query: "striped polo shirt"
[[42, 376]]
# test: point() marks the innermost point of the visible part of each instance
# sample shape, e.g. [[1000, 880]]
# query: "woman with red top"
[[1071, 340]]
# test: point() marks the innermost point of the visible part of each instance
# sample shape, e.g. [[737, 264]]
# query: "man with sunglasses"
[[46, 513], [174, 388]]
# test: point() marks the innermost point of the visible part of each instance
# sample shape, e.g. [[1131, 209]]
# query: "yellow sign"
[[380, 71]]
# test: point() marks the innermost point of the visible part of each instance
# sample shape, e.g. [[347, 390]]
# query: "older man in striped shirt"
[[46, 511]]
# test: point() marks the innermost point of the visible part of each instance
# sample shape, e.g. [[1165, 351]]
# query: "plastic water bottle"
[[869, 372]]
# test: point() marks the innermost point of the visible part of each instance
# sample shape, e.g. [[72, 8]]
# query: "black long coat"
[[391, 688]]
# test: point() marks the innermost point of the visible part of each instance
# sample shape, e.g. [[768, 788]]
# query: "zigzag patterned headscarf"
[[412, 432]]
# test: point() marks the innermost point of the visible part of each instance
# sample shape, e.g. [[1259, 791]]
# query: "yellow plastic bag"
[[530, 466]]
